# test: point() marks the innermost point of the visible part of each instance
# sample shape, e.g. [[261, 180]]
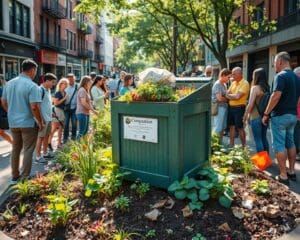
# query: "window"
[[58, 35], [19, 19], [1, 17], [47, 30], [258, 14], [67, 45], [69, 9], [74, 42], [41, 29], [56, 40], [291, 6]]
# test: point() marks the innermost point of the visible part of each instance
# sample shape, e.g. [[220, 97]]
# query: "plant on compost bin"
[[156, 92], [141, 188], [261, 187], [59, 209], [122, 202], [214, 184], [237, 159], [198, 236]]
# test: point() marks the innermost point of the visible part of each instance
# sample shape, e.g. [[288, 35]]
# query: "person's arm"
[[58, 101], [235, 96], [97, 95], [274, 99], [4, 104], [251, 103], [36, 112]]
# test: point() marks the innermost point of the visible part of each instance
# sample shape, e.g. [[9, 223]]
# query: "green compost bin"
[[160, 142]]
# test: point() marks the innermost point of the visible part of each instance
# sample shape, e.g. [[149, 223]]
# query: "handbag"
[[4, 123], [214, 108]]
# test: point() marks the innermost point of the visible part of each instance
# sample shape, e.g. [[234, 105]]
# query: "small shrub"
[[23, 189], [122, 202], [123, 235], [141, 188], [151, 233], [261, 187], [198, 236], [59, 209]]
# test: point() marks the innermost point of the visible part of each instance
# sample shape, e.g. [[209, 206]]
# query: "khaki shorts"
[[45, 131], [60, 115]]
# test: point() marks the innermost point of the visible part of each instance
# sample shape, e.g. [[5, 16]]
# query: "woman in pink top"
[[84, 105]]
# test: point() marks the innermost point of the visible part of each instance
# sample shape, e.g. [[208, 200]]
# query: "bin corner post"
[[115, 133], [175, 150], [209, 133]]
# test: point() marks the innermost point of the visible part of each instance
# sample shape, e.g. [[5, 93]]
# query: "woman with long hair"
[[3, 115], [84, 105], [128, 80], [259, 86], [58, 119], [219, 96], [99, 92]]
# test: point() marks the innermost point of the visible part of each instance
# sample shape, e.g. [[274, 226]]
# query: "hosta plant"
[[261, 187]]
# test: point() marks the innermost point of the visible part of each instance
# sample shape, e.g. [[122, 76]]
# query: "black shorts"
[[235, 116]]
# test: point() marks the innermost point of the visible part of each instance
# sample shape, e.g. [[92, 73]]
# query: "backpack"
[[263, 103]]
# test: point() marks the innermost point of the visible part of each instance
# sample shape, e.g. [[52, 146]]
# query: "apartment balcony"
[[99, 40], [99, 58], [52, 42], [282, 23], [84, 27], [85, 53], [54, 9]]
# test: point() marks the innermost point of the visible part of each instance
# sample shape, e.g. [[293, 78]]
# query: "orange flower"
[[40, 209], [75, 156]]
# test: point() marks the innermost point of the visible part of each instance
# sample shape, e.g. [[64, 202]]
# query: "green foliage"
[[198, 236], [214, 183], [124, 235], [101, 124], [151, 233], [237, 159], [59, 209], [107, 183], [8, 214], [261, 187], [55, 180], [141, 188], [22, 208], [23, 188], [122, 202]]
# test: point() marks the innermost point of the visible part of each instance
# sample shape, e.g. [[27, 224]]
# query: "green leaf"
[[195, 205], [180, 194], [191, 184], [205, 184], [225, 201], [203, 194], [192, 195], [174, 186]]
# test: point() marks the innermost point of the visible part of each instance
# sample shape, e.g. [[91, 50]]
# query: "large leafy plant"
[[212, 184]]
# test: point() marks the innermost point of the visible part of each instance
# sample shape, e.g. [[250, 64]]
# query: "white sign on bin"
[[140, 129]]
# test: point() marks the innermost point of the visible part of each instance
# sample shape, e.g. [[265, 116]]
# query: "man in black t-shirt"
[[282, 108]]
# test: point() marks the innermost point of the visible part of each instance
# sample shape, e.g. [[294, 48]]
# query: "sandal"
[[283, 181], [292, 176]]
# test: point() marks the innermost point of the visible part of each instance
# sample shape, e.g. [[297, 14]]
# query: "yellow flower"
[[88, 193], [60, 207], [91, 181]]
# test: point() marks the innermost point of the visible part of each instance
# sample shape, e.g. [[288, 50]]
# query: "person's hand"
[[265, 120], [245, 119], [94, 111], [41, 125]]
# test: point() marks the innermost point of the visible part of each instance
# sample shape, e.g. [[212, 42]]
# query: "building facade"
[[53, 34], [260, 50], [16, 36]]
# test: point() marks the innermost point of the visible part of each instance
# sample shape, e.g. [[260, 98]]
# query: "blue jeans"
[[259, 132], [220, 120], [83, 120], [70, 115], [297, 135], [283, 132]]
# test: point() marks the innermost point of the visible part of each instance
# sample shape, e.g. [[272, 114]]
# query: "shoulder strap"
[[73, 93], [43, 93]]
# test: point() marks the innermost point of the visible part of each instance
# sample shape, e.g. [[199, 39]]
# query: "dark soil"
[[170, 224]]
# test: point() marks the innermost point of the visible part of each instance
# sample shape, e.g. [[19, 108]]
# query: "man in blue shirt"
[[21, 99], [282, 108]]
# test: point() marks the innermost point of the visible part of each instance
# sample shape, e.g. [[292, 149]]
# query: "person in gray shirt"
[[70, 108]]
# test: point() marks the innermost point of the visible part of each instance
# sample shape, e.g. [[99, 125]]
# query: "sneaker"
[[40, 160], [292, 176], [283, 181], [50, 147], [48, 155], [14, 180]]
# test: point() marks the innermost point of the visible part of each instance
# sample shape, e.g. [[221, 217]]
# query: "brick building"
[[50, 32], [260, 50]]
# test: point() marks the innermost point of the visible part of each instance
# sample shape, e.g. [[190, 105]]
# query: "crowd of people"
[[282, 111], [34, 115]]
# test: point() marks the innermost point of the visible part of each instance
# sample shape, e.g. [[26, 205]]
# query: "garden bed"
[[210, 221]]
